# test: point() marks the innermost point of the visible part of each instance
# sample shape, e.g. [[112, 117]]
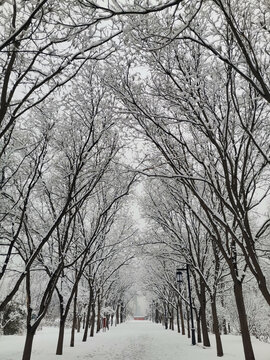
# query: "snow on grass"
[[134, 340]]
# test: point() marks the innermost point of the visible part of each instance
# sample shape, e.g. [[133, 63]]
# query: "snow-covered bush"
[[12, 319], [258, 316]]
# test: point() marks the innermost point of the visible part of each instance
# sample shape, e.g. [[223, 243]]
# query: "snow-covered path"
[[134, 340], [143, 340]]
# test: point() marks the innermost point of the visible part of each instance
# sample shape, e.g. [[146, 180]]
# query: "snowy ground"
[[134, 340]]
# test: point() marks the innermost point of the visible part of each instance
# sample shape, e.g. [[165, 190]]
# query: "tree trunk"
[[87, 321], [92, 331], [59, 349], [172, 319], [199, 333], [98, 318], [156, 314], [188, 324], [74, 321], [78, 323], [87, 318], [98, 314], [206, 341], [224, 327], [239, 299], [169, 317], [182, 317], [216, 327], [28, 344], [177, 318], [166, 322], [117, 315], [84, 318], [112, 320], [122, 313]]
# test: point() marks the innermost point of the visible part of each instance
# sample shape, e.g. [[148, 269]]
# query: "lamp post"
[[179, 279]]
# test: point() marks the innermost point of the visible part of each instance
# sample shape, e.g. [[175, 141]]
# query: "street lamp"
[[179, 276], [179, 279]]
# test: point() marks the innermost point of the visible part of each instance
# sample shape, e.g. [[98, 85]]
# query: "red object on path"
[[139, 318]]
